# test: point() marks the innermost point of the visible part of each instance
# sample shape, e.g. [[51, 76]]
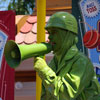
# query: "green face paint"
[[56, 36]]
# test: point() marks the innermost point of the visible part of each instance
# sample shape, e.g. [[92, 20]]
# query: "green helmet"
[[63, 20]]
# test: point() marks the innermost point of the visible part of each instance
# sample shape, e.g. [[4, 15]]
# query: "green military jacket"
[[71, 79]]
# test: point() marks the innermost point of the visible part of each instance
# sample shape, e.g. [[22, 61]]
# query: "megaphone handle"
[[42, 56]]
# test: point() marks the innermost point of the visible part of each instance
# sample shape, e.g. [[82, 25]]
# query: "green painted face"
[[56, 37]]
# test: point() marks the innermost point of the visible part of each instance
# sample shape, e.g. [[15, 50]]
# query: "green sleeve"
[[70, 84], [78, 78]]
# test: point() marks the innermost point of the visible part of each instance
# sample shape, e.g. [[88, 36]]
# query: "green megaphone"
[[15, 53]]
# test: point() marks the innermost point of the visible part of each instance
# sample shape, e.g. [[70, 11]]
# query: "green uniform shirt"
[[71, 79]]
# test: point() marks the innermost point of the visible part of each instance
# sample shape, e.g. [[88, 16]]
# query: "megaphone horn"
[[15, 53]]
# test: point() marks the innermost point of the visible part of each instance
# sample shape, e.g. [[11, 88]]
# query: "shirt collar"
[[70, 54]]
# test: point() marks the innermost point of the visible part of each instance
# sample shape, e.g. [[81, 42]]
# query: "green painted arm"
[[68, 85]]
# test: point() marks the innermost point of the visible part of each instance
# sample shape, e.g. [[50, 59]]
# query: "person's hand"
[[39, 63]]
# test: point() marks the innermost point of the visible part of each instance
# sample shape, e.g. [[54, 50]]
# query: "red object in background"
[[7, 29], [91, 39]]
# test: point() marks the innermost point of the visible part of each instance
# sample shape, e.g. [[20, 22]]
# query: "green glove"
[[44, 71], [39, 64]]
